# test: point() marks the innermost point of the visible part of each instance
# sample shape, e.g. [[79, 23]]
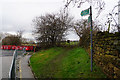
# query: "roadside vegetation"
[[60, 62], [58, 57]]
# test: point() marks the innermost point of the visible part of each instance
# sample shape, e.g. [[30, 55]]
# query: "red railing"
[[13, 47]]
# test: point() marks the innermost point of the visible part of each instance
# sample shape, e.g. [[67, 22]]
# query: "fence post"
[[24, 50]]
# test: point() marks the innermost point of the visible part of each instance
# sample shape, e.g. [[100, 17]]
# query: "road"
[[6, 60], [9, 53], [6, 63], [0, 65]]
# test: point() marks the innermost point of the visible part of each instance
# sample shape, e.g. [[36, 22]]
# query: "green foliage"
[[63, 63]]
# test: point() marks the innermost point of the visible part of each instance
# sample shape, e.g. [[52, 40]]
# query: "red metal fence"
[[13, 47]]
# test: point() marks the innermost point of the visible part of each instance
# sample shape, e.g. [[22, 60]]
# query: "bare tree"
[[82, 25], [113, 17], [82, 29], [98, 4], [51, 28], [20, 33]]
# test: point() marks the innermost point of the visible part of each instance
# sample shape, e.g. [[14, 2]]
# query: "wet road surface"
[[6, 57]]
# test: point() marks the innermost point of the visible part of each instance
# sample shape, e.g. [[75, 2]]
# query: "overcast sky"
[[18, 14]]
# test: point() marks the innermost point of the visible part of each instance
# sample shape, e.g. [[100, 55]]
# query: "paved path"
[[24, 69]]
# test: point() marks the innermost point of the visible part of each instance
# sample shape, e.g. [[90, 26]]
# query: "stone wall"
[[106, 53]]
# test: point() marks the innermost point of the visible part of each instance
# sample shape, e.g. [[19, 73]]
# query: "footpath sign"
[[89, 20], [85, 12]]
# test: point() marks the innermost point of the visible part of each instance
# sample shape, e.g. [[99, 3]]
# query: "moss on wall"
[[106, 53]]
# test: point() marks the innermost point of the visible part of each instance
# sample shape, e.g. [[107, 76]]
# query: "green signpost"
[[85, 12], [89, 20]]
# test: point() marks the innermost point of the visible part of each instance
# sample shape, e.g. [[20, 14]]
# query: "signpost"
[[89, 20], [91, 39], [84, 13]]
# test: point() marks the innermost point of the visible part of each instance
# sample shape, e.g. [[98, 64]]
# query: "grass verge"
[[64, 63]]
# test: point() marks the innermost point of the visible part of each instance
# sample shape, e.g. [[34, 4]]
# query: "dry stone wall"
[[106, 53]]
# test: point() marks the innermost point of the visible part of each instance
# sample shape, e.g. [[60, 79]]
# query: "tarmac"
[[0, 66], [6, 64], [25, 71], [5, 61]]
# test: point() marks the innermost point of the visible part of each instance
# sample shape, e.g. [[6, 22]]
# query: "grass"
[[64, 63], [71, 43]]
